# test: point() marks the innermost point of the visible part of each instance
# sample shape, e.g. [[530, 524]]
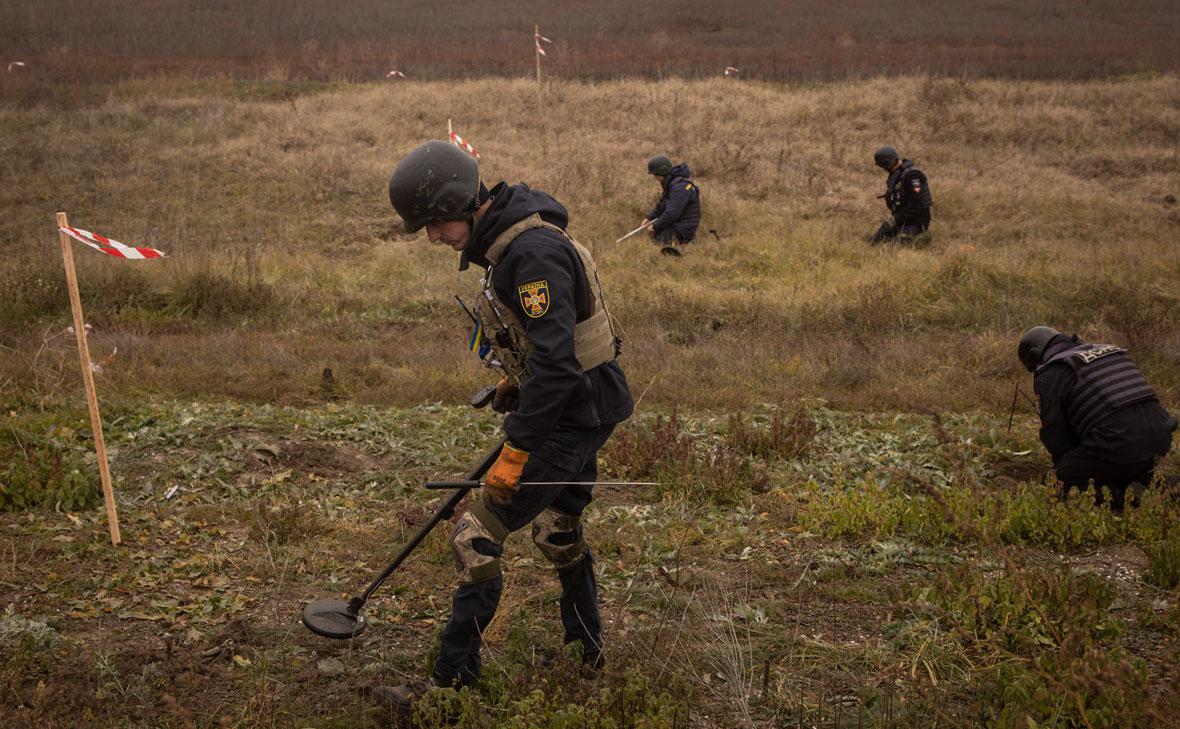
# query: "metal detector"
[[342, 620]]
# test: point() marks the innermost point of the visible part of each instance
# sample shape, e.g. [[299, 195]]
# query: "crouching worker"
[[676, 216], [544, 324], [907, 195], [1100, 420]]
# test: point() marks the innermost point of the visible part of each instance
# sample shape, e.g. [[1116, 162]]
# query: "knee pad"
[[477, 543], [559, 537]]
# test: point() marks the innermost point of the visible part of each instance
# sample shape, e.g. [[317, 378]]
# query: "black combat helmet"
[[659, 165], [435, 182], [1032, 346], [885, 157]]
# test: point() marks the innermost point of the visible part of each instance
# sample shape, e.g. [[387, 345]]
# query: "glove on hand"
[[507, 397], [504, 475]]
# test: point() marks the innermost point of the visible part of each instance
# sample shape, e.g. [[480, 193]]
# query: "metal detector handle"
[[444, 511], [483, 397], [444, 485]]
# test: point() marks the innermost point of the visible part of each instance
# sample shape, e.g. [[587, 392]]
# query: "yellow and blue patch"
[[534, 298]]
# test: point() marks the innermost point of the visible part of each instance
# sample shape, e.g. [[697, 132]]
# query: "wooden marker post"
[[108, 493], [537, 43]]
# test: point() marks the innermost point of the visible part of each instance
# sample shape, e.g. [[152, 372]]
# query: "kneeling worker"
[[1100, 419], [674, 219], [545, 326], [907, 195]]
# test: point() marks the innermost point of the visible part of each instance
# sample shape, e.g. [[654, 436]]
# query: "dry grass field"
[[846, 533], [67, 41], [1052, 205]]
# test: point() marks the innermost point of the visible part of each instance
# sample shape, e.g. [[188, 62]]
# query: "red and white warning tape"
[[15, 64], [537, 39], [394, 73], [458, 142], [731, 71], [110, 247]]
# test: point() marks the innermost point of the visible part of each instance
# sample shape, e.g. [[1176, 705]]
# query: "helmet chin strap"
[[481, 197]]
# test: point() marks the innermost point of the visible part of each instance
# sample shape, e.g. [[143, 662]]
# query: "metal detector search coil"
[[340, 620]]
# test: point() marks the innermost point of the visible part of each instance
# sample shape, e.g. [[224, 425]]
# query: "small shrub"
[[783, 437], [208, 294], [647, 454], [1163, 569], [44, 466]]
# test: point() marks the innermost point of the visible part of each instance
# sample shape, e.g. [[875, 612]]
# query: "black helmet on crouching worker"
[[885, 157], [1032, 346], [435, 182], [659, 165]]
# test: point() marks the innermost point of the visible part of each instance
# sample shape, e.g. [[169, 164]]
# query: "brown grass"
[[1051, 207]]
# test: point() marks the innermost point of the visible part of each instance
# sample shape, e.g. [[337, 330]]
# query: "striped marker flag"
[[537, 38], [110, 247], [461, 144]]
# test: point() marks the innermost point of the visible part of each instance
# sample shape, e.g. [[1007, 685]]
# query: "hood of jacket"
[[510, 205], [1059, 344], [680, 171]]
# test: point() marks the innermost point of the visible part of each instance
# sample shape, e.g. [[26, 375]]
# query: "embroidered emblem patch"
[[1098, 352], [534, 298]]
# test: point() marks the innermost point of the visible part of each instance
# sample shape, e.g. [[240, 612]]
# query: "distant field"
[[1054, 203], [64, 40]]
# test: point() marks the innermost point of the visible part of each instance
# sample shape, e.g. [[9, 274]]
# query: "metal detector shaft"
[[442, 485], [444, 512]]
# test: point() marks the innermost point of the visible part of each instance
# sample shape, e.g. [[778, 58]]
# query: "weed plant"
[[45, 463]]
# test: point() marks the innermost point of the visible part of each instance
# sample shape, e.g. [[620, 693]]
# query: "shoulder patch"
[[1098, 352], [688, 186], [534, 298]]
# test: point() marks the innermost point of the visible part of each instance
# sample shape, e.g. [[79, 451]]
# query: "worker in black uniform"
[[675, 218], [907, 195], [1100, 419], [544, 326]]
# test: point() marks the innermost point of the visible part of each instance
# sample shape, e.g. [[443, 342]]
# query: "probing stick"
[[645, 226]]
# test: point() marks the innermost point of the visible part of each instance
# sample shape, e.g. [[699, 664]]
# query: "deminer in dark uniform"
[[907, 195], [1100, 419], [543, 324], [675, 218]]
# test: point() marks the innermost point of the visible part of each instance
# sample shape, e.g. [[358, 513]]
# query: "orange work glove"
[[504, 475]]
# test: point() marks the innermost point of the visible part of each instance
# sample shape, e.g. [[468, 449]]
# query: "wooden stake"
[[108, 493], [537, 53], [450, 132]]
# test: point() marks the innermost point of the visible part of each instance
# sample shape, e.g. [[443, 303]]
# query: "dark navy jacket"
[[556, 394], [907, 194], [1130, 434], [679, 207]]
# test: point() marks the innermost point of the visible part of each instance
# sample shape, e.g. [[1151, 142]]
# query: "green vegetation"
[[835, 588], [45, 463]]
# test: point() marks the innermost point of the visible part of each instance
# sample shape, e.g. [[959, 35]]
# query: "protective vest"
[[1106, 380], [505, 345], [895, 189]]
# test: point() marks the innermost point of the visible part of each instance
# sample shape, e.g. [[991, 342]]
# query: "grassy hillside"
[[847, 531], [1053, 204]]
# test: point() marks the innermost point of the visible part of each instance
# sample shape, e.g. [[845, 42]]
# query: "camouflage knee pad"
[[476, 543], [559, 537]]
